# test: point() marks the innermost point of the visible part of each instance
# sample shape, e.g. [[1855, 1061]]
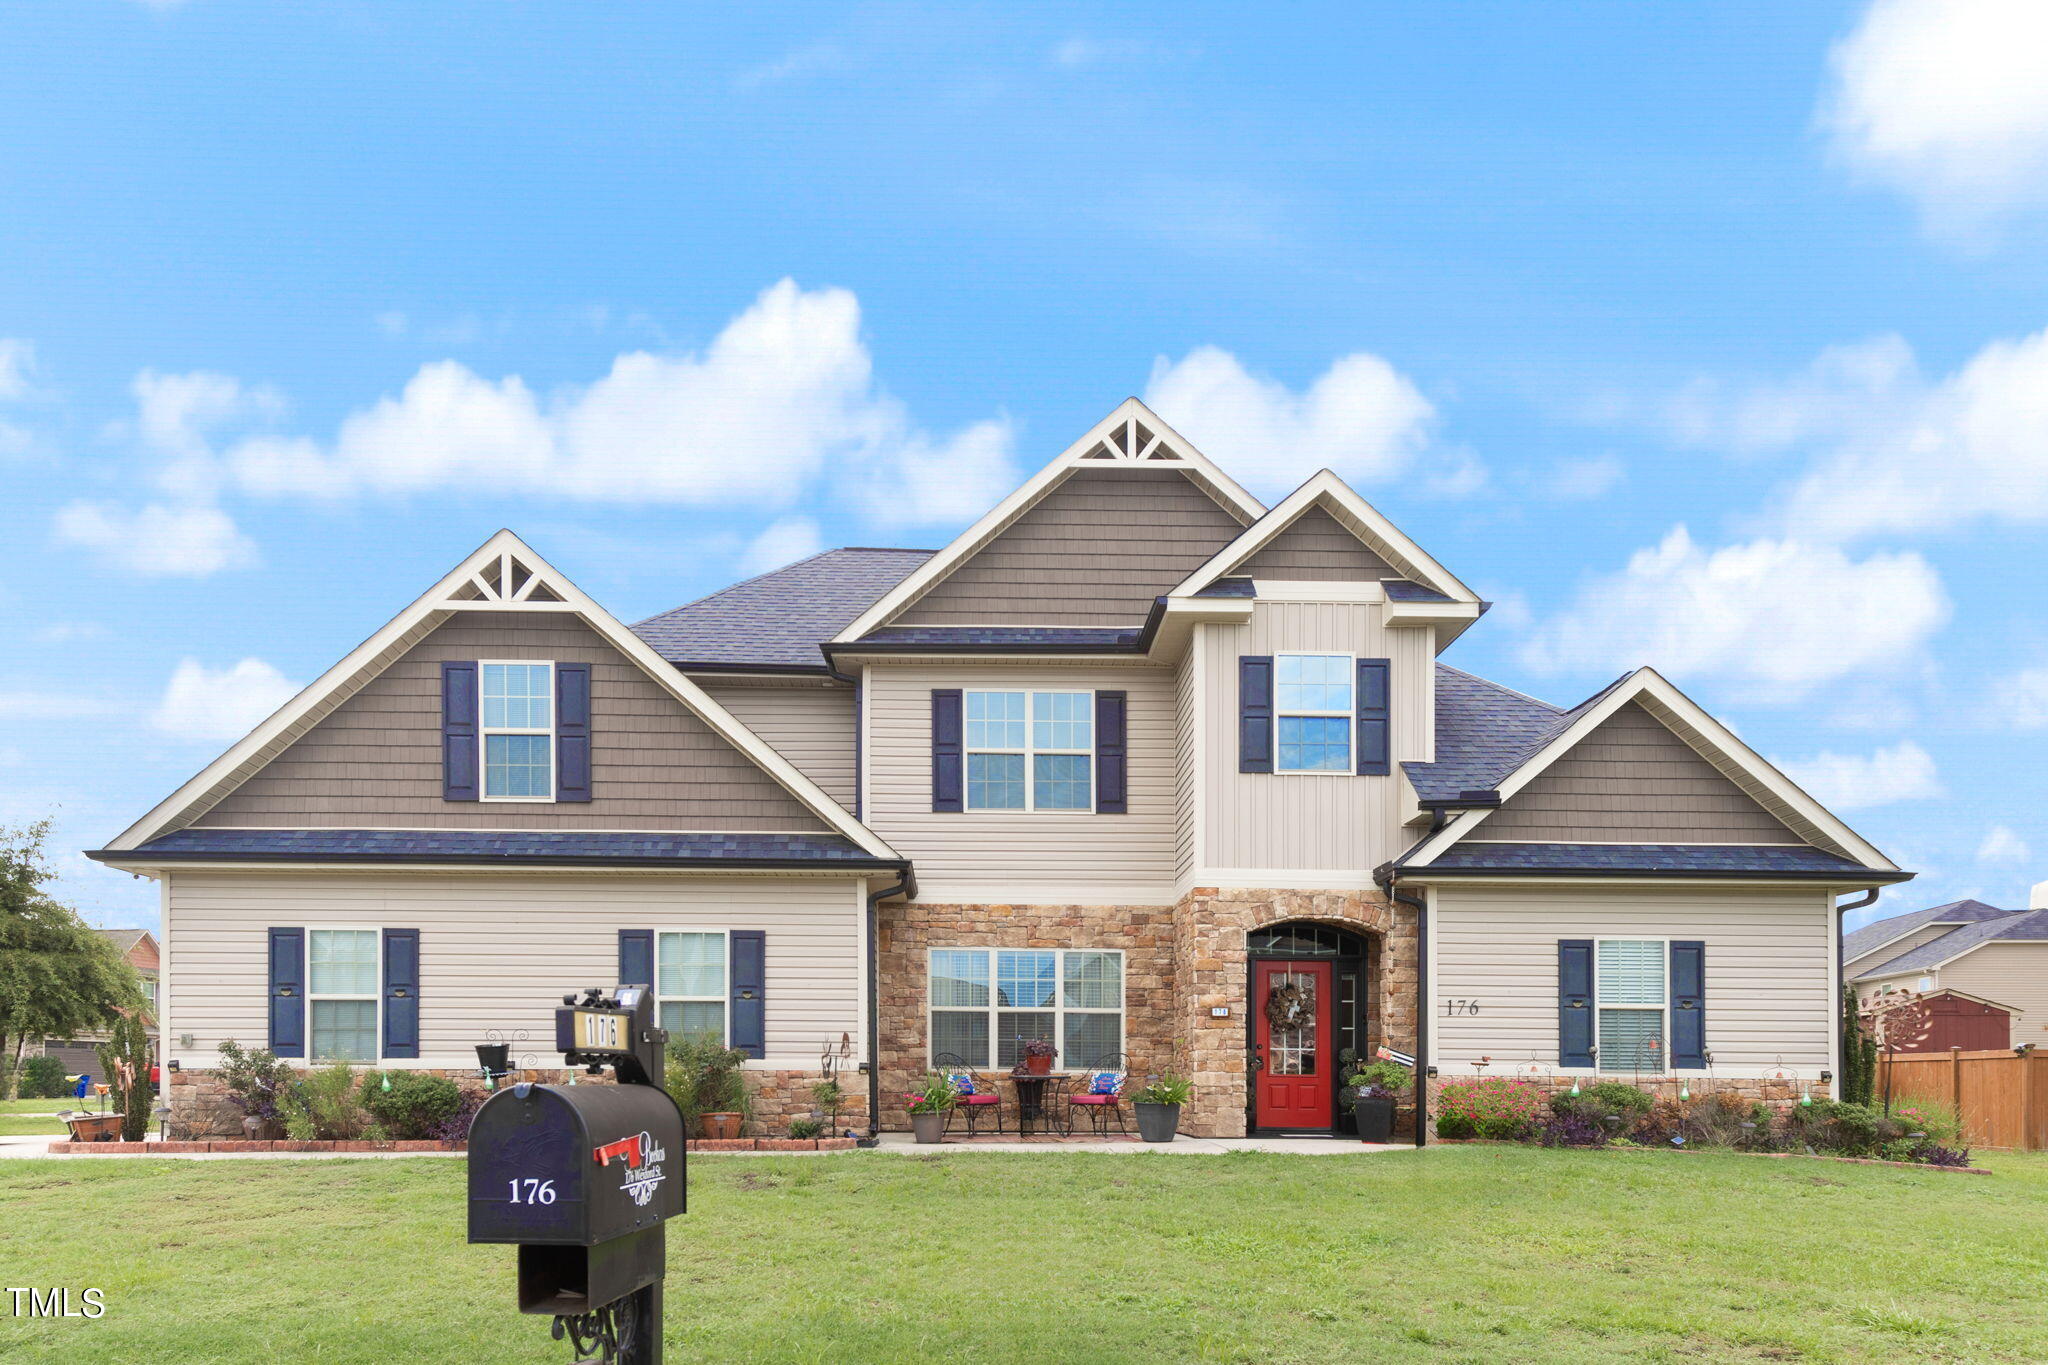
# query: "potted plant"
[[929, 1106], [1372, 1091], [705, 1080], [1158, 1106], [1038, 1055]]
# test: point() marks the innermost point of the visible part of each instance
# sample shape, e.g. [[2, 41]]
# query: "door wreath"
[[1291, 1004]]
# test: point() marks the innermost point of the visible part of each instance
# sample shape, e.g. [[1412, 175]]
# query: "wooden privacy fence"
[[2002, 1096]]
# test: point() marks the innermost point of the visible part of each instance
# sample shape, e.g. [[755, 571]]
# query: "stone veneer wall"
[[1210, 929], [905, 930]]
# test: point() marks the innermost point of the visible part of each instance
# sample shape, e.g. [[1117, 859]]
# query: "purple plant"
[[455, 1127], [1934, 1154], [1573, 1130]]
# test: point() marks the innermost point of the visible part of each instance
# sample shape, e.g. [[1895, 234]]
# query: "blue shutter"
[[1374, 724], [947, 782], [1575, 1002], [636, 957], [1689, 1005], [401, 992], [288, 992], [1111, 760], [458, 732], [747, 969], [572, 732], [1255, 713]]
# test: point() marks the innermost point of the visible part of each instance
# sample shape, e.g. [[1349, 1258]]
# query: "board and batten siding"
[[1320, 824], [2013, 974], [1023, 857], [1632, 781], [375, 761], [499, 950], [1187, 788], [1769, 955], [1094, 551], [810, 726]]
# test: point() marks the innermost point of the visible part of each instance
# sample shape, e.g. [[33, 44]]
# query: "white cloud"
[[64, 632], [1904, 772], [819, 59], [160, 540], [1361, 418], [1082, 51], [1774, 618], [2001, 845], [782, 398], [782, 542], [2021, 700], [17, 363], [51, 706], [203, 703], [177, 414], [1947, 100], [1584, 480]]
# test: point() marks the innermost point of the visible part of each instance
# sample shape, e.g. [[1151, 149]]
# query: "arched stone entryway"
[[1213, 971]]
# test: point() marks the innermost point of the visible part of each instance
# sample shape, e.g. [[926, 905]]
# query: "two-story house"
[[1129, 756]]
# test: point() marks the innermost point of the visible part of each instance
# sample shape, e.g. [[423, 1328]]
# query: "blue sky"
[[1703, 336]]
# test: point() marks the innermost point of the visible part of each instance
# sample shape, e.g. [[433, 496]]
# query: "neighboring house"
[[1129, 758], [80, 1055], [1995, 956]]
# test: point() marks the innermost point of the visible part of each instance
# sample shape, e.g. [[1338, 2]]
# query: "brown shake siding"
[[375, 761], [1316, 548], [1632, 780], [1094, 551]]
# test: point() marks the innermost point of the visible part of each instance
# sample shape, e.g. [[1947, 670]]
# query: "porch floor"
[[1195, 1146]]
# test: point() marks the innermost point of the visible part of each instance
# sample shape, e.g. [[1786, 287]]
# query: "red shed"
[[1969, 1022]]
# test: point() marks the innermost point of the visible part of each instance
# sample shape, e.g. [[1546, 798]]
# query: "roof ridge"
[[781, 568]]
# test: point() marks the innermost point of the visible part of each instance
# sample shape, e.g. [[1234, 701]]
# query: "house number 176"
[[1452, 1007], [536, 1191]]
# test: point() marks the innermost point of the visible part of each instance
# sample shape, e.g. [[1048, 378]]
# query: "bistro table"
[[1031, 1098]]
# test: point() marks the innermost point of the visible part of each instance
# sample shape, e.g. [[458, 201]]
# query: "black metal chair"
[[1102, 1101], [983, 1103]]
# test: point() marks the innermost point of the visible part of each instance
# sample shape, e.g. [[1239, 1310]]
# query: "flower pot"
[[1037, 1066], [723, 1127], [1157, 1122], [928, 1128], [1375, 1120]]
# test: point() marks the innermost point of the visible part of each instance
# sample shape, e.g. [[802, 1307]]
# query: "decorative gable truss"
[[503, 575], [1805, 818]]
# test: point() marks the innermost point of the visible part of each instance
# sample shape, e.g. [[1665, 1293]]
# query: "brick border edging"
[[1724, 1151], [243, 1147]]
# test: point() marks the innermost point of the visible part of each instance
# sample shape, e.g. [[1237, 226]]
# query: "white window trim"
[[1059, 1009], [1350, 768], [1029, 753], [484, 732], [725, 1004], [1664, 1031], [376, 996]]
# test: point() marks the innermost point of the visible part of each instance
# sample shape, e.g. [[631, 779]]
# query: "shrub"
[[415, 1105], [806, 1127], [1574, 1130], [323, 1107], [125, 1059], [1848, 1129], [1932, 1120], [455, 1127], [1494, 1107], [703, 1077], [255, 1080], [1936, 1154], [42, 1078]]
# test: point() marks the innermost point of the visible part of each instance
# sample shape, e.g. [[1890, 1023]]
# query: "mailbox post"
[[582, 1178]]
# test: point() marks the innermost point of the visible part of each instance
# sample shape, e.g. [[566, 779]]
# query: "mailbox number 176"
[[534, 1191]]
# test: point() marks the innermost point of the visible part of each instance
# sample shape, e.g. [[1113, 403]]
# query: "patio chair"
[[979, 1100], [1098, 1093]]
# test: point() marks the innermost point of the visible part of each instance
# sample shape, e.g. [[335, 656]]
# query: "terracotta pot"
[[1037, 1066], [723, 1127], [928, 1128]]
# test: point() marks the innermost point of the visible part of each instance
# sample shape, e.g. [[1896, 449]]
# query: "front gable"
[[1315, 548]]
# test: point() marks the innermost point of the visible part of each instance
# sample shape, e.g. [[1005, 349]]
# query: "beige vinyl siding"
[[1769, 986], [1094, 551], [1877, 958], [810, 726], [1023, 856], [498, 950], [1313, 822], [375, 761], [1316, 547], [2013, 974], [1632, 780]]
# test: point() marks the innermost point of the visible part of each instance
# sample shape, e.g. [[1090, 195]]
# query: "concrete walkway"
[[1183, 1145]]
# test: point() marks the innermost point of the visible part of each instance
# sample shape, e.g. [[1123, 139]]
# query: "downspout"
[[874, 970], [1842, 984]]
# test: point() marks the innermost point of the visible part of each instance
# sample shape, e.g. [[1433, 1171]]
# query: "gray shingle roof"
[[2010, 924], [1700, 860], [556, 847], [1877, 933], [1230, 587], [778, 619], [1401, 590], [122, 939], [1485, 731], [1027, 637]]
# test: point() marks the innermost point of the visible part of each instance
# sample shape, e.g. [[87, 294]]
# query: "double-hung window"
[[518, 731], [986, 1003], [1030, 750], [341, 995], [1312, 713], [1629, 991], [690, 984]]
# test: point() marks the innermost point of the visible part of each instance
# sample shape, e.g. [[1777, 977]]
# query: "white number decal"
[[537, 1191]]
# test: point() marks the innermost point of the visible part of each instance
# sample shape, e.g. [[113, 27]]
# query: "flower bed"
[[244, 1147], [1619, 1148]]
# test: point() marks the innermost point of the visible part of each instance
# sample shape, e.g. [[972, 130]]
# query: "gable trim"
[[490, 579], [1786, 800], [1119, 432]]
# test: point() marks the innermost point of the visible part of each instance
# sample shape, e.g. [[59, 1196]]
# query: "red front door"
[[1292, 1087]]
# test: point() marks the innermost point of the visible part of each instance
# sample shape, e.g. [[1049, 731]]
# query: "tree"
[[57, 977], [124, 1057]]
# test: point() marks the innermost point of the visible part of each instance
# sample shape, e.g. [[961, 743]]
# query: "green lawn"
[[16, 1126], [47, 1106], [1452, 1254]]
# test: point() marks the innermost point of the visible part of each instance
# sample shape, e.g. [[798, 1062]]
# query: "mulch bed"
[[243, 1147], [1725, 1151]]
